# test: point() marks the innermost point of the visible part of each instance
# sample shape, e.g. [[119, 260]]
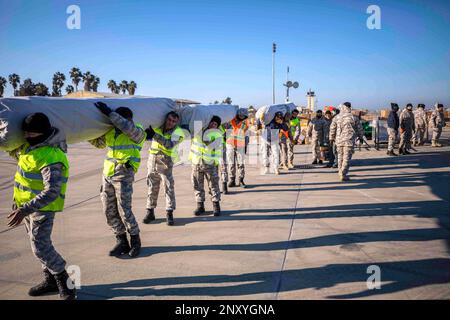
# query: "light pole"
[[274, 49], [289, 84]]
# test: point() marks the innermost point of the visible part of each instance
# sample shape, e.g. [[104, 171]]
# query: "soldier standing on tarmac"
[[437, 122]]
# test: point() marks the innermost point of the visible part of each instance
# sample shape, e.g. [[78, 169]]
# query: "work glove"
[[103, 108], [150, 132]]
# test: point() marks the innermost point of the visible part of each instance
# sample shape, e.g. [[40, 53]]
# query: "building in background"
[[311, 100]]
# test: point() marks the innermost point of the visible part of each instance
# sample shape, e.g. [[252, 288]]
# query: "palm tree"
[[27, 88], [14, 79], [95, 83], [87, 79], [75, 75], [70, 89], [58, 83], [123, 86], [112, 85], [227, 100], [41, 89], [3, 83], [132, 86]]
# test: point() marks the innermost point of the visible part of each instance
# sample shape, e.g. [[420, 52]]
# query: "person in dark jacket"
[[393, 125]]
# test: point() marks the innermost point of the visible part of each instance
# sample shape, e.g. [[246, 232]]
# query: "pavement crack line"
[[291, 230]]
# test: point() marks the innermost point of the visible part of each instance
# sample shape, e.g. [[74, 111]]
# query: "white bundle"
[[266, 113], [196, 118], [78, 119]]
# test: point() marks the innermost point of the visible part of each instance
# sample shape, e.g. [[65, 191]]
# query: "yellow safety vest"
[[28, 181], [294, 123], [121, 149], [156, 147], [209, 154]]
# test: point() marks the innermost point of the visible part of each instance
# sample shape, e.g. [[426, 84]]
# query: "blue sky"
[[208, 50]]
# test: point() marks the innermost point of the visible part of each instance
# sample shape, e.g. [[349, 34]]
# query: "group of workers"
[[217, 153], [412, 126]]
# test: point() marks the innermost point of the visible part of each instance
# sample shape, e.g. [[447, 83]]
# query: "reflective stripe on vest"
[[28, 181], [156, 147], [200, 151], [237, 136], [121, 150]]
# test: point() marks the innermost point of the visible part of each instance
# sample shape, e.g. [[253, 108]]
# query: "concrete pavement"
[[300, 235]]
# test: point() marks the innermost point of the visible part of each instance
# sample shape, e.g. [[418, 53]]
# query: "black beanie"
[[37, 123], [124, 112], [216, 119]]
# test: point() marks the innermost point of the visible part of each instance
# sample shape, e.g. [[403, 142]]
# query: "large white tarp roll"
[[266, 113], [196, 118], [78, 119]]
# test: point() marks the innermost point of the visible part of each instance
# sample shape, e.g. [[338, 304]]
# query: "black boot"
[[169, 215], [241, 183], [216, 209], [46, 286], [150, 216], [200, 208], [64, 292], [224, 188], [232, 183], [135, 245], [121, 246], [314, 162]]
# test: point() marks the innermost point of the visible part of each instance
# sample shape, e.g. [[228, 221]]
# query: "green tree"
[[95, 83], [132, 86], [3, 83], [57, 83], [112, 85], [227, 100], [41, 89], [70, 89], [76, 75], [87, 79], [27, 88], [14, 80], [123, 86], [216, 102]]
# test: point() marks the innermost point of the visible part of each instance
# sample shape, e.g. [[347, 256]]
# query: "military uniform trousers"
[[235, 160], [224, 165], [405, 139], [271, 154], [419, 136], [117, 194], [39, 226], [284, 150], [203, 171], [160, 168], [315, 148], [392, 138], [436, 134], [344, 156]]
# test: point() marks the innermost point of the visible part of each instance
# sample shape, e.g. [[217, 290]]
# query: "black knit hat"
[[216, 119], [37, 123], [124, 112]]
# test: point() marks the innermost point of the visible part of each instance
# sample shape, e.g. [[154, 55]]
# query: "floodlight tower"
[[289, 84], [274, 50]]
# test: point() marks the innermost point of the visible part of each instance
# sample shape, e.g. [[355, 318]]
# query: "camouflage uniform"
[[344, 130], [420, 120], [39, 224], [407, 128], [437, 122], [316, 130], [270, 147], [160, 167], [117, 190], [203, 171]]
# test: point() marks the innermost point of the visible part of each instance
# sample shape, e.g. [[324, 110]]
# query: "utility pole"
[[274, 50]]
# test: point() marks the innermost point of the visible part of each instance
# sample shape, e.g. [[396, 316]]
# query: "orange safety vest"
[[284, 133], [237, 136]]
